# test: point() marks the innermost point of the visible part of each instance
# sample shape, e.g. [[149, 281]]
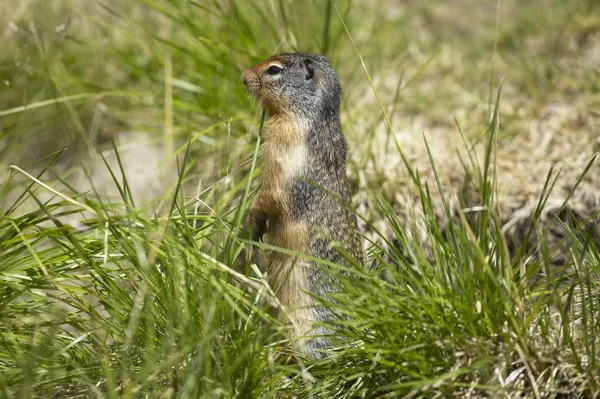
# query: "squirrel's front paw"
[[258, 221]]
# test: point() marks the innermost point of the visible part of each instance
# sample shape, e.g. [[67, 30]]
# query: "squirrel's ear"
[[310, 69]]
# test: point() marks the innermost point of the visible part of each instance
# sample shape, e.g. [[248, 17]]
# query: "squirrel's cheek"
[[253, 88]]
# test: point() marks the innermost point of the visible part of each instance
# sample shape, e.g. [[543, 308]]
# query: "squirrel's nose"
[[245, 77]]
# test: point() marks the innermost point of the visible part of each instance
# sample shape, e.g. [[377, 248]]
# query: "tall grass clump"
[[123, 304], [459, 315]]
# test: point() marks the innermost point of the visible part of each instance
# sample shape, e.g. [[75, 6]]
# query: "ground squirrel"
[[302, 204]]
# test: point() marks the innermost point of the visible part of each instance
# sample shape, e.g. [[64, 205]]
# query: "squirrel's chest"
[[275, 198], [280, 167]]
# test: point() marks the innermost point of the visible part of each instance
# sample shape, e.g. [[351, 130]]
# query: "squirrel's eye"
[[274, 70]]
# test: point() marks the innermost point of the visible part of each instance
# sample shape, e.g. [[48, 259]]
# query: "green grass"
[[131, 295]]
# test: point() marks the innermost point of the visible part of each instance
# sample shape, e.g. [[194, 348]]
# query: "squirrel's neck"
[[326, 143], [295, 145], [285, 152]]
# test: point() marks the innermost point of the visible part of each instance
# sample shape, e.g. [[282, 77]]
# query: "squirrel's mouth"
[[252, 83]]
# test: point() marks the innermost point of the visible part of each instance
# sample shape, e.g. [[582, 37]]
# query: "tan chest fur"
[[284, 156]]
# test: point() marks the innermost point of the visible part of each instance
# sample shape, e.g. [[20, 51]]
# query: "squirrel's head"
[[298, 84]]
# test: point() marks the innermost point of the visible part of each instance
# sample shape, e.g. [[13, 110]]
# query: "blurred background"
[[148, 77]]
